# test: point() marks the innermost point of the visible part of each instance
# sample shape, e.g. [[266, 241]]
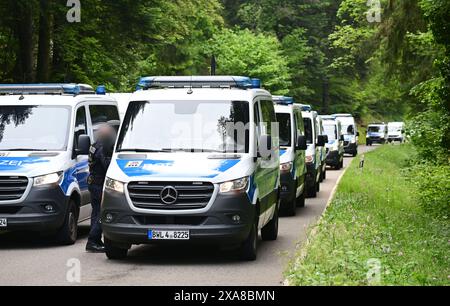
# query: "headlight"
[[309, 159], [286, 167], [114, 185], [49, 179], [237, 185]]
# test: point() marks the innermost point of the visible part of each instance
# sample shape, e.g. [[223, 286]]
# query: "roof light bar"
[[282, 100], [45, 89], [240, 82], [306, 108]]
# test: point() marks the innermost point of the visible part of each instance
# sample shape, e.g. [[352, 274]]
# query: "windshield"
[[308, 130], [374, 129], [34, 128], [285, 129], [190, 126], [395, 129], [331, 132]]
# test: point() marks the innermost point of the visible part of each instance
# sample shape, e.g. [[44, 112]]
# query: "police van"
[[377, 133], [335, 146], [323, 149], [292, 154], [45, 134], [316, 142], [197, 161], [351, 134]]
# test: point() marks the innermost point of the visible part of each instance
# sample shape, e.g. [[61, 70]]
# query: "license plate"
[[168, 235], [3, 223]]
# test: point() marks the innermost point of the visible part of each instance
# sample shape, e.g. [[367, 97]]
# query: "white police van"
[[335, 146], [351, 134], [197, 161], [323, 149], [45, 135], [377, 133], [316, 142], [292, 154]]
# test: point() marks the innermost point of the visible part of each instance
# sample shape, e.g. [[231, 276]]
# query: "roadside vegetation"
[[377, 219]]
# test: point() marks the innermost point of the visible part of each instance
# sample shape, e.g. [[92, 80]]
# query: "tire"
[[301, 201], [270, 231], [68, 233], [113, 252], [324, 176], [342, 164], [312, 190], [355, 154], [249, 249], [291, 209]]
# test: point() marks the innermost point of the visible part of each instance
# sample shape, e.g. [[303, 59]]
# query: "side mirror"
[[265, 149], [321, 141], [357, 134], [302, 144], [84, 145]]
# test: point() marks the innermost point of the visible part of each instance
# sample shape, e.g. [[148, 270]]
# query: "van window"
[[186, 126], [268, 116], [34, 128], [101, 114], [308, 130], [331, 131], [285, 129], [80, 124]]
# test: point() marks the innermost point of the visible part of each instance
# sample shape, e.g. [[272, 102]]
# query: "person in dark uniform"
[[100, 156]]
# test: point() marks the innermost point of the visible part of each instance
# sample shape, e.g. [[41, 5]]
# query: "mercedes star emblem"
[[169, 195]]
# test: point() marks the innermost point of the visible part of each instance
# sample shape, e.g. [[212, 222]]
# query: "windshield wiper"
[[193, 150], [143, 151], [24, 150]]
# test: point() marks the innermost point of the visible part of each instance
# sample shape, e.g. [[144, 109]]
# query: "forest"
[[381, 60]]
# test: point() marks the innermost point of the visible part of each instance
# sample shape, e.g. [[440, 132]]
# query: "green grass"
[[376, 216]]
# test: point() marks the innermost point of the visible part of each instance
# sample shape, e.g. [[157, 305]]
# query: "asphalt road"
[[26, 260]]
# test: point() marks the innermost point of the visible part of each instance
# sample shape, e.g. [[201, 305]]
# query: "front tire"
[[301, 201], [249, 249], [113, 252], [68, 233], [270, 231]]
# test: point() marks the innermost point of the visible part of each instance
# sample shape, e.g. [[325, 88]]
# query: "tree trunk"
[[45, 26], [24, 31]]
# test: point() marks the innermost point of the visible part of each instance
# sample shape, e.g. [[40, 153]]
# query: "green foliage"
[[377, 215], [241, 52]]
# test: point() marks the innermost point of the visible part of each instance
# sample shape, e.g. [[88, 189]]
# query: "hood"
[[30, 164], [183, 166], [286, 155], [349, 138], [333, 144]]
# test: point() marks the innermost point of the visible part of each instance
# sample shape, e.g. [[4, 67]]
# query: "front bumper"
[[216, 226], [288, 189], [376, 140], [351, 148], [30, 215], [334, 158]]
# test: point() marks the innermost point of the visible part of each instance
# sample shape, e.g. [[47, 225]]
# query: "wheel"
[[324, 176], [270, 231], [342, 163], [68, 233], [301, 201], [355, 154], [318, 187], [113, 252], [312, 190], [290, 210], [248, 250]]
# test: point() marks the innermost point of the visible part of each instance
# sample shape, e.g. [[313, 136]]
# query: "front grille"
[[170, 220], [12, 187], [147, 195]]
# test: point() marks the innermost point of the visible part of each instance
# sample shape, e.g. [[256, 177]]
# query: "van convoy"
[[198, 160], [46, 131]]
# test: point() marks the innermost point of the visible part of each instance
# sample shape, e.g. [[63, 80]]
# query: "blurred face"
[[106, 132]]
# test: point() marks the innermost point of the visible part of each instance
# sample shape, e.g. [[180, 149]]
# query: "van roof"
[[199, 94], [51, 100]]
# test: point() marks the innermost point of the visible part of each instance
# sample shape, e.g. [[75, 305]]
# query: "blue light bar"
[[306, 108], [45, 89], [155, 82], [101, 90], [282, 100]]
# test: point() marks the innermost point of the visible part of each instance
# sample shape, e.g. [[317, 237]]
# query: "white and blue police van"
[[196, 162], [377, 133], [335, 145], [351, 134], [45, 134], [292, 154], [316, 142]]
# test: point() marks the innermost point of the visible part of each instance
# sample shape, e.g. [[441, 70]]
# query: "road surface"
[[27, 260]]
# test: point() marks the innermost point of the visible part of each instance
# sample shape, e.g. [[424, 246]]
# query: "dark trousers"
[[95, 235]]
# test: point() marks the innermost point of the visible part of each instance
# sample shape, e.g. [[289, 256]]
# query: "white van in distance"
[[396, 131], [351, 134], [45, 136]]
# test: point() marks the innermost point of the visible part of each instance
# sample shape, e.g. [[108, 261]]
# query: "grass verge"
[[375, 232]]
